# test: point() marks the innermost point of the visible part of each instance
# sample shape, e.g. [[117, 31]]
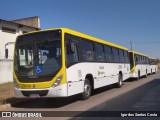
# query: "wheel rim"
[[87, 90]]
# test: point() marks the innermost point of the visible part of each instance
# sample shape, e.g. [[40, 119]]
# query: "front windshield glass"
[[40, 57]]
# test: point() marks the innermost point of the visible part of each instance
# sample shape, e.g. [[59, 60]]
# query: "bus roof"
[[69, 31], [152, 58], [139, 53], [75, 33]]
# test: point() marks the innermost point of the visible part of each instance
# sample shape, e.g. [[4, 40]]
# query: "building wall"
[[5, 37]]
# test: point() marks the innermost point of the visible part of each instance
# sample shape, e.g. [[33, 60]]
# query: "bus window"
[[121, 54], [131, 60], [116, 55], [99, 53], [108, 53], [71, 53], [87, 51], [136, 59], [126, 57]]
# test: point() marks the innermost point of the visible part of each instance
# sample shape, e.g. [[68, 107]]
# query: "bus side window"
[[108, 54], [121, 55], [87, 50], [99, 52], [136, 59], [71, 52], [126, 57], [116, 55]]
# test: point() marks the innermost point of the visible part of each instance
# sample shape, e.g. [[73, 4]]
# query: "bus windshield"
[[38, 54]]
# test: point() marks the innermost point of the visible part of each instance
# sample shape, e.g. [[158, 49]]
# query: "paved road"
[[133, 96]]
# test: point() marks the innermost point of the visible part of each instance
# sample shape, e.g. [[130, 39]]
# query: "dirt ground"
[[6, 92]]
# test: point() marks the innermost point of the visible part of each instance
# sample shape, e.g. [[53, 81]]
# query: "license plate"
[[34, 95]]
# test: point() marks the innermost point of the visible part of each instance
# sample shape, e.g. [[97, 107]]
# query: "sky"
[[116, 21]]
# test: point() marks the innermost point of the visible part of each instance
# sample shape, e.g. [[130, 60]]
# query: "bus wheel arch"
[[88, 87], [91, 80], [120, 80], [146, 74], [139, 75]]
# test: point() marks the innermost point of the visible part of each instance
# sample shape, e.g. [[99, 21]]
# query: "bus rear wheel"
[[138, 75], [120, 81], [146, 75], [87, 90]]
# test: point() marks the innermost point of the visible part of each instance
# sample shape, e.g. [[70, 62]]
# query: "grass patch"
[[6, 92]]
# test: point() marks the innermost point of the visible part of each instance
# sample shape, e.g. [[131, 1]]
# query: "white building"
[[9, 30]]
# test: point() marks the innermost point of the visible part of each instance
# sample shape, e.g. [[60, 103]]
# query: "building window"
[[9, 30]]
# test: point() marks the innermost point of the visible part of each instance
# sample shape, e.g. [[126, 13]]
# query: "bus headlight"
[[15, 83], [58, 80]]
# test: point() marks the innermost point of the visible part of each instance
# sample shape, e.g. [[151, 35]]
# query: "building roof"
[[20, 24], [30, 21]]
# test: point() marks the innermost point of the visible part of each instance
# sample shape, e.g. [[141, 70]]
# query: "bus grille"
[[40, 93]]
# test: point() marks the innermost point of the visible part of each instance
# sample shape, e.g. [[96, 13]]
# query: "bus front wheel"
[[87, 90]]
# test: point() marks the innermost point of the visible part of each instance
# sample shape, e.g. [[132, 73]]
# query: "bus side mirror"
[[72, 48], [6, 53]]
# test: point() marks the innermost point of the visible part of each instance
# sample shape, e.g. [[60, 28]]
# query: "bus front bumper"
[[59, 91]]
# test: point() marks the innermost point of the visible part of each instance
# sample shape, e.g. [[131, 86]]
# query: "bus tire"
[[87, 90], [120, 81], [138, 75], [155, 71], [146, 74]]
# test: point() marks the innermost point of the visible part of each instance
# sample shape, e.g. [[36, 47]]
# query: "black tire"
[[146, 74], [120, 81], [87, 90], [138, 75]]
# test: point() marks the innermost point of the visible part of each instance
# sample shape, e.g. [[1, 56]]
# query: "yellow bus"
[[62, 62], [139, 64], [153, 65]]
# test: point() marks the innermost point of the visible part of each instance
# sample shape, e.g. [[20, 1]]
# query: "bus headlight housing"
[[58, 80]]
